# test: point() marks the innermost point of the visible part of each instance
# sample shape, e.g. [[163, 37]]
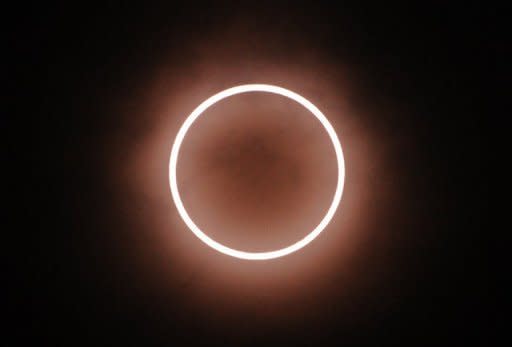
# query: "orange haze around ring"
[[258, 171]]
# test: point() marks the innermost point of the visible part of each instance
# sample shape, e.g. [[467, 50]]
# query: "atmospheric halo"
[[266, 88]]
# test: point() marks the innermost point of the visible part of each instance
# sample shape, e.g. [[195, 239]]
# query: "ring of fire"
[[174, 162]]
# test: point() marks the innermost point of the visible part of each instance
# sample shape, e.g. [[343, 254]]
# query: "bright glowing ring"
[[174, 161]]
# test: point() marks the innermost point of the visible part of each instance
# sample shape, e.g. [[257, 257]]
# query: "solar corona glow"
[[265, 88]]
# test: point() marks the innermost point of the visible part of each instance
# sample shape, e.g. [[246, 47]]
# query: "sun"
[[173, 163]]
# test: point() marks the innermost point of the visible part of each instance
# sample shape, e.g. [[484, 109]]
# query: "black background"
[[68, 61]]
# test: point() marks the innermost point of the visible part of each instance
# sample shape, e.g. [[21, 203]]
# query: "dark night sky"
[[101, 257]]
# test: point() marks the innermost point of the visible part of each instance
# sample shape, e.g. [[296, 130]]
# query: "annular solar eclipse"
[[202, 234]]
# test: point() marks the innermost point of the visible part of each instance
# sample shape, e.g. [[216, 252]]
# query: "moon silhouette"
[[173, 163]]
